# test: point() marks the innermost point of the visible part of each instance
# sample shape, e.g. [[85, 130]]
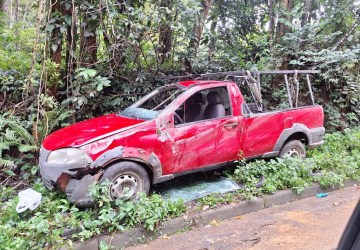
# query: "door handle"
[[231, 125]]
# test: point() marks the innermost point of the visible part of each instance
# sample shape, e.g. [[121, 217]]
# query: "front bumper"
[[51, 172], [76, 189]]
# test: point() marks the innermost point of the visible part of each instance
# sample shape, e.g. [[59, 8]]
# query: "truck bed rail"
[[255, 85]]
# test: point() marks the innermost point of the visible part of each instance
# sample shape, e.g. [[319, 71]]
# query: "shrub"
[[337, 160], [45, 226]]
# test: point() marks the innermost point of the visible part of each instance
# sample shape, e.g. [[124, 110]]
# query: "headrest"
[[214, 98], [196, 98]]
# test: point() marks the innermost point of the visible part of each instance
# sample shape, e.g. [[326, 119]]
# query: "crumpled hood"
[[79, 133]]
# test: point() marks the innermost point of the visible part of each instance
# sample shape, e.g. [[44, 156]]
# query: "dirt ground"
[[312, 223]]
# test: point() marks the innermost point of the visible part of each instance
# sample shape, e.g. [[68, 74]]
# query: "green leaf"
[[67, 5], [34, 170], [91, 72], [27, 148], [6, 163], [30, 156], [68, 20], [87, 33], [99, 87], [52, 20], [9, 172], [50, 27], [25, 167]]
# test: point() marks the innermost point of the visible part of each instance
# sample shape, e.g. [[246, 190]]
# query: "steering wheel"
[[177, 119]]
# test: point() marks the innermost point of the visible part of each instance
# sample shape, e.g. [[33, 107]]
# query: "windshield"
[[151, 105]]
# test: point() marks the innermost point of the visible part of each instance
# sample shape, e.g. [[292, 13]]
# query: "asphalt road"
[[312, 223]]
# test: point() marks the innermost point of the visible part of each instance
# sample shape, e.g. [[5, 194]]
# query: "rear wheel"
[[293, 148], [127, 180]]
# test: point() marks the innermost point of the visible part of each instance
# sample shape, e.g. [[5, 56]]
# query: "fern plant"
[[19, 147], [14, 141], [49, 122]]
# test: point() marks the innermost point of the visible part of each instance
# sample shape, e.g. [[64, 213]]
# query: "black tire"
[[126, 174], [293, 148]]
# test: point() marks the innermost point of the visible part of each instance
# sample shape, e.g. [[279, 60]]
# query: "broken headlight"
[[68, 156]]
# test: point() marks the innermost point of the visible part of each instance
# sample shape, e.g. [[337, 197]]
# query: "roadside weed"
[[56, 222], [329, 165]]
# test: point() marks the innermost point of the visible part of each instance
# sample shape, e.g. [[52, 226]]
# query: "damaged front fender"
[[150, 159], [50, 172], [69, 178]]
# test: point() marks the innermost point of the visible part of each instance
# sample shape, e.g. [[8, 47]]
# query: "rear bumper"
[[316, 137]]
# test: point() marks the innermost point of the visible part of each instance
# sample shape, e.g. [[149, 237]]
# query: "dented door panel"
[[197, 142]]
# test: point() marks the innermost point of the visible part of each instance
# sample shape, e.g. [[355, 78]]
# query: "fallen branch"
[[342, 40]]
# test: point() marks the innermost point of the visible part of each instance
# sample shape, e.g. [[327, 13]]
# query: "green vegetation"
[[46, 225], [215, 200], [63, 61], [329, 165], [88, 58], [333, 163]]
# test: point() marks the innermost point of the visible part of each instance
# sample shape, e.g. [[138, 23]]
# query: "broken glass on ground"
[[188, 191]]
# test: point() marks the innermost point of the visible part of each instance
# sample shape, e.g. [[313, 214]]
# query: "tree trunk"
[[282, 28], [198, 29], [2, 5], [55, 45], [271, 22], [16, 11], [313, 14], [212, 44], [165, 34], [70, 60], [88, 43], [305, 19]]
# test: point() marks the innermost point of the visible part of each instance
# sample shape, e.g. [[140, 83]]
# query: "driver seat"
[[194, 108], [215, 107]]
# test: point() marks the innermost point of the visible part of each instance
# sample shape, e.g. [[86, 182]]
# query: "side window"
[[203, 105]]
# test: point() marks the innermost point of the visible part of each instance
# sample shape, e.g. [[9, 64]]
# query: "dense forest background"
[[62, 61]]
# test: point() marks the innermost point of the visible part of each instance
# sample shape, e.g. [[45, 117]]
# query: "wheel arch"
[[148, 160], [297, 132], [300, 136], [139, 161]]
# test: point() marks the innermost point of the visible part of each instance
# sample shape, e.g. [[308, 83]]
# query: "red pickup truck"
[[176, 129]]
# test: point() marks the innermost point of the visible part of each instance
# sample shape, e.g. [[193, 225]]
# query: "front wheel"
[[127, 180], [293, 148]]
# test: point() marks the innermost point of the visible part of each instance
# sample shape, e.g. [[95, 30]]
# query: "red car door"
[[228, 143], [194, 145], [208, 141], [262, 132]]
